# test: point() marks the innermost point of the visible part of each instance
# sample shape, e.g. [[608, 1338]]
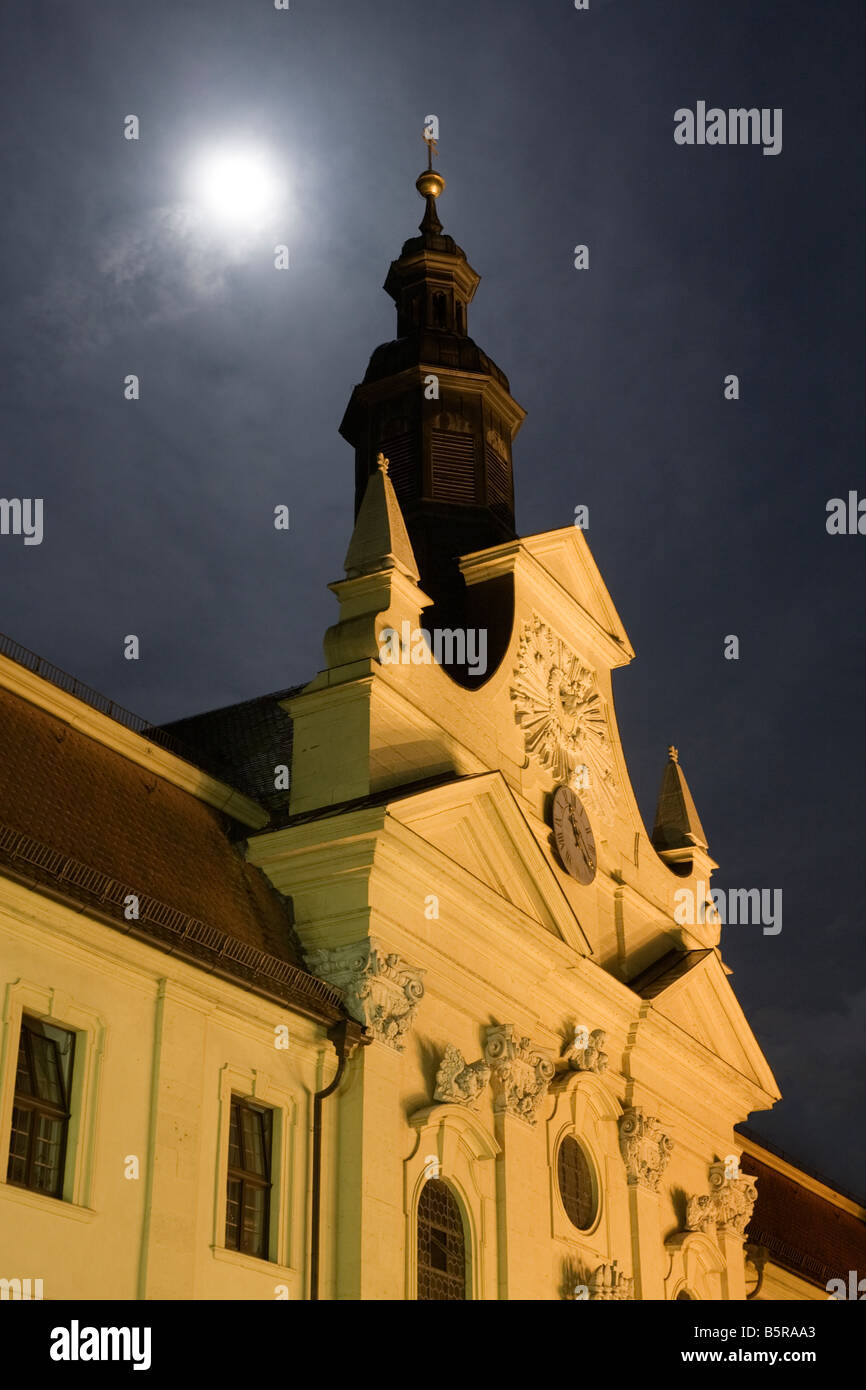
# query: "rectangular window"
[[249, 1178], [40, 1109]]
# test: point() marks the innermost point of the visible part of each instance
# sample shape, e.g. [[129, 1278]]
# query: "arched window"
[[576, 1186], [441, 1244], [439, 310]]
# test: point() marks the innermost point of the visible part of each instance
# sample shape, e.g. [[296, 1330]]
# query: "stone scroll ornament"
[[561, 711], [520, 1072], [459, 1082], [645, 1148], [728, 1205], [382, 990]]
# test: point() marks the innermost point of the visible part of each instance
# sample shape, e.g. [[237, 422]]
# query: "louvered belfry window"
[[498, 483], [402, 454], [441, 1245], [453, 462]]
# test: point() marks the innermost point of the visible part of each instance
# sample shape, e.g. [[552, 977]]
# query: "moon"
[[236, 187]]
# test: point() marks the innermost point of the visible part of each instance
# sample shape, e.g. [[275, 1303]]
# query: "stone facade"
[[416, 867]]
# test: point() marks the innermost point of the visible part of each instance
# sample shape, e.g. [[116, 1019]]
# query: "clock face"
[[573, 834]]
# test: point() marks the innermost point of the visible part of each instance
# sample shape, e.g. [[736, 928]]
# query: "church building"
[[376, 988]]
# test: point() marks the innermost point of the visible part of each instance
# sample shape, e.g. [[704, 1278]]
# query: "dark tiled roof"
[[249, 740], [748, 1133], [432, 347], [47, 671], [803, 1231], [96, 819]]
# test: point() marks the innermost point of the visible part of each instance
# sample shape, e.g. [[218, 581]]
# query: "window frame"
[[41, 1108], [592, 1175], [53, 1005], [585, 1109], [465, 1155], [453, 1198], [287, 1212], [248, 1178]]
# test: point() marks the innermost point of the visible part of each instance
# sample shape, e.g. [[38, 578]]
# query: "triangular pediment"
[[692, 990], [567, 557], [559, 564], [478, 826]]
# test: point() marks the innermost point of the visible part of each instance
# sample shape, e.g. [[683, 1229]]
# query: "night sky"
[[707, 516]]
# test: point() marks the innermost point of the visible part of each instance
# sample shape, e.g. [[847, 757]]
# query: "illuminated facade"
[[376, 988]]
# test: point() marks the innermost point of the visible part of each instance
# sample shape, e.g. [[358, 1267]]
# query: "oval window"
[[576, 1185]]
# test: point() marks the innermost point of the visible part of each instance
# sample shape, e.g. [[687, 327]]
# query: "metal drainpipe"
[[346, 1036]]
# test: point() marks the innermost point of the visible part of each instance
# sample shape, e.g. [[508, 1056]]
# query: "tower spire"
[[430, 184], [437, 406], [677, 823]]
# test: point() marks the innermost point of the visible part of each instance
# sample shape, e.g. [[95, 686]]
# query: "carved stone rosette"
[[459, 1082], [645, 1148], [561, 711], [382, 990], [607, 1284], [728, 1206], [521, 1072]]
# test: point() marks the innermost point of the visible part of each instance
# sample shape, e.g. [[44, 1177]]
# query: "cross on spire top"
[[432, 148]]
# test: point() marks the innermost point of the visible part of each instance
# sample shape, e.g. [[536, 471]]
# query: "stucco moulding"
[[645, 1148], [520, 1072], [381, 990], [459, 1082], [562, 715], [585, 1051], [727, 1206], [609, 1284]]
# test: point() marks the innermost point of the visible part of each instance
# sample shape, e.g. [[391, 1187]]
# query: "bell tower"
[[440, 410]]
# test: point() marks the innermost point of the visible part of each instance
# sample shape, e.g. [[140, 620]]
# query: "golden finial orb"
[[430, 182]]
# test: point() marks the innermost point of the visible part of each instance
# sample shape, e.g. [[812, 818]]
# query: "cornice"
[[653, 1037], [574, 621], [474, 383]]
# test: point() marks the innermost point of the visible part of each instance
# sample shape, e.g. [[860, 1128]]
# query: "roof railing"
[[62, 679]]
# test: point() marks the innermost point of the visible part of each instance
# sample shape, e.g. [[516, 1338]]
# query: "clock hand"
[[586, 858]]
